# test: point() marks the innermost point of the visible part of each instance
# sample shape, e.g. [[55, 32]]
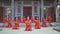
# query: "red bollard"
[[44, 23], [37, 24], [16, 23], [49, 19], [28, 25], [9, 24]]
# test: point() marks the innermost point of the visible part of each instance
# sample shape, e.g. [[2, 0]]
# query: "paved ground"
[[48, 30], [54, 24]]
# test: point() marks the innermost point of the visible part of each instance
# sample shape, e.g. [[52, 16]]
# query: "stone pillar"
[[12, 7], [42, 11]]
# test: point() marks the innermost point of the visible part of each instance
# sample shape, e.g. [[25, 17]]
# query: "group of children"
[[28, 21]]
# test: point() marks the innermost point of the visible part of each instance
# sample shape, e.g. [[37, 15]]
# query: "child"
[[5, 20], [19, 19], [37, 23], [9, 23], [16, 23], [32, 20], [44, 23], [49, 20], [28, 24]]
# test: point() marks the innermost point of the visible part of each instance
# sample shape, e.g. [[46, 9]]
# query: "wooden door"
[[27, 11]]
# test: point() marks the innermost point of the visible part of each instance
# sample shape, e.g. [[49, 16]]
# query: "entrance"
[[1, 14], [27, 11]]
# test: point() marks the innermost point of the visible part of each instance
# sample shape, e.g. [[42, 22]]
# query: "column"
[[42, 7], [32, 9], [39, 10], [56, 13], [12, 7]]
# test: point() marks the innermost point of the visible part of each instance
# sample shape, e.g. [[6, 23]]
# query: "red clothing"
[[49, 19], [9, 24], [37, 24], [32, 20], [19, 19], [23, 20], [5, 20], [28, 25], [16, 24], [44, 23]]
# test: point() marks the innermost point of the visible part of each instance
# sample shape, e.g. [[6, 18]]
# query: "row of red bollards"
[[28, 23]]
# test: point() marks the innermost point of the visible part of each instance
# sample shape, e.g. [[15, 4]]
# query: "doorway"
[[1, 14], [27, 11]]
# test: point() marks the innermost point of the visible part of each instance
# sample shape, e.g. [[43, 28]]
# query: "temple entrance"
[[27, 11]]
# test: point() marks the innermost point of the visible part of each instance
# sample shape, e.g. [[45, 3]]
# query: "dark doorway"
[[1, 14], [27, 11]]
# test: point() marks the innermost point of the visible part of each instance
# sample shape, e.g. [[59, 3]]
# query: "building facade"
[[32, 8]]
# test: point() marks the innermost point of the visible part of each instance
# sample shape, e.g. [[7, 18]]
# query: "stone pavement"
[[47, 30], [53, 24]]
